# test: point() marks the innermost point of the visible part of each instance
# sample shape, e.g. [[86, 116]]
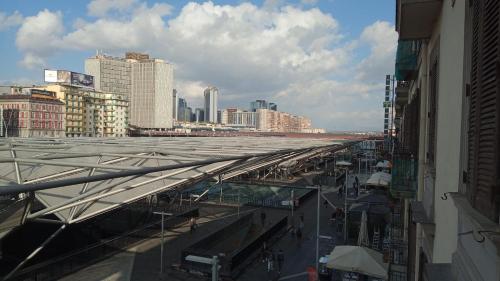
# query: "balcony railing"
[[404, 175], [406, 59]]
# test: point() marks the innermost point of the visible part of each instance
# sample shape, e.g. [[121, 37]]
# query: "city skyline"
[[331, 71]]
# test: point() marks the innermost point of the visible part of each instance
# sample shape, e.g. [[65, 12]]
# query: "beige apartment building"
[[33, 113], [92, 113], [447, 101], [276, 121], [147, 82]]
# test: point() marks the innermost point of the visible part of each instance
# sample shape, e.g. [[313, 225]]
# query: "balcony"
[[407, 60], [404, 175], [415, 19], [402, 90]]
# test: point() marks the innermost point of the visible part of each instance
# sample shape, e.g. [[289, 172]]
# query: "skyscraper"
[[148, 84], [111, 75], [258, 104], [181, 109], [175, 104], [211, 97], [199, 115], [262, 104], [152, 89]]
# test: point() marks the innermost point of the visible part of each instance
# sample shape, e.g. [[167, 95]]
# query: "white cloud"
[[100, 8], [382, 38], [294, 56], [39, 37], [8, 21]]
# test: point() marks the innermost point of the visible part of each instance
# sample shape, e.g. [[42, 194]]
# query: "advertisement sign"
[[63, 76], [50, 75], [82, 80]]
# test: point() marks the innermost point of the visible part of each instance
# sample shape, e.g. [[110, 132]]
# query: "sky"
[[324, 59]]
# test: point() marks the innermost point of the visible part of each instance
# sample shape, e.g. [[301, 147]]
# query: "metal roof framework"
[[77, 179]]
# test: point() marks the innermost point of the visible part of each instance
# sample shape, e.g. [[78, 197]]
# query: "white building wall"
[[93, 67], [449, 128], [163, 96], [151, 99]]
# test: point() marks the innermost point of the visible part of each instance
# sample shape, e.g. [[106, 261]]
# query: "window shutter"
[[484, 109], [431, 151]]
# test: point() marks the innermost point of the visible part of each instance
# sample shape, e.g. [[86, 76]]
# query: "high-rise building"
[[152, 88], [175, 104], [147, 82], [211, 98], [258, 104], [219, 116], [181, 109], [199, 115], [111, 74], [262, 104], [188, 114]]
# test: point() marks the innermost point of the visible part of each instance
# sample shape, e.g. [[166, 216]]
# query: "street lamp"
[[163, 214], [345, 165]]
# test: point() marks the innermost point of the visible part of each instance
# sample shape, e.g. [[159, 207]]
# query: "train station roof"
[[76, 179]]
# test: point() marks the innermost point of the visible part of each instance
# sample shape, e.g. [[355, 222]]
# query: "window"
[[484, 125]]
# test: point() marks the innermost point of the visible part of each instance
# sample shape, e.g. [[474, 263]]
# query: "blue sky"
[[324, 59]]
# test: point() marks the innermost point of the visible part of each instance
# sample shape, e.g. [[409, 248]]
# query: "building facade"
[[199, 115], [239, 118], [92, 113], [36, 113], [276, 121], [175, 104], [182, 107], [111, 74], [147, 83], [262, 104], [151, 99], [210, 101], [447, 101]]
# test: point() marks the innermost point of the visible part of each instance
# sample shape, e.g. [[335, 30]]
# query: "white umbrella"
[[379, 179], [363, 231], [360, 260], [384, 164]]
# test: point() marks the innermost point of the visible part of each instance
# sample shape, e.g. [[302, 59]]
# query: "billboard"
[[69, 77], [50, 75], [82, 80], [57, 76], [63, 76]]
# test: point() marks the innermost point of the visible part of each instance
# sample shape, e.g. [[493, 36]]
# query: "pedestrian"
[[269, 261], [333, 217], [281, 260], [264, 251], [325, 203], [263, 218], [356, 180], [192, 223], [299, 233]]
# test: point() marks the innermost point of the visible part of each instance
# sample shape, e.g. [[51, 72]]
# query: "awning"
[[360, 260], [66, 164]]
